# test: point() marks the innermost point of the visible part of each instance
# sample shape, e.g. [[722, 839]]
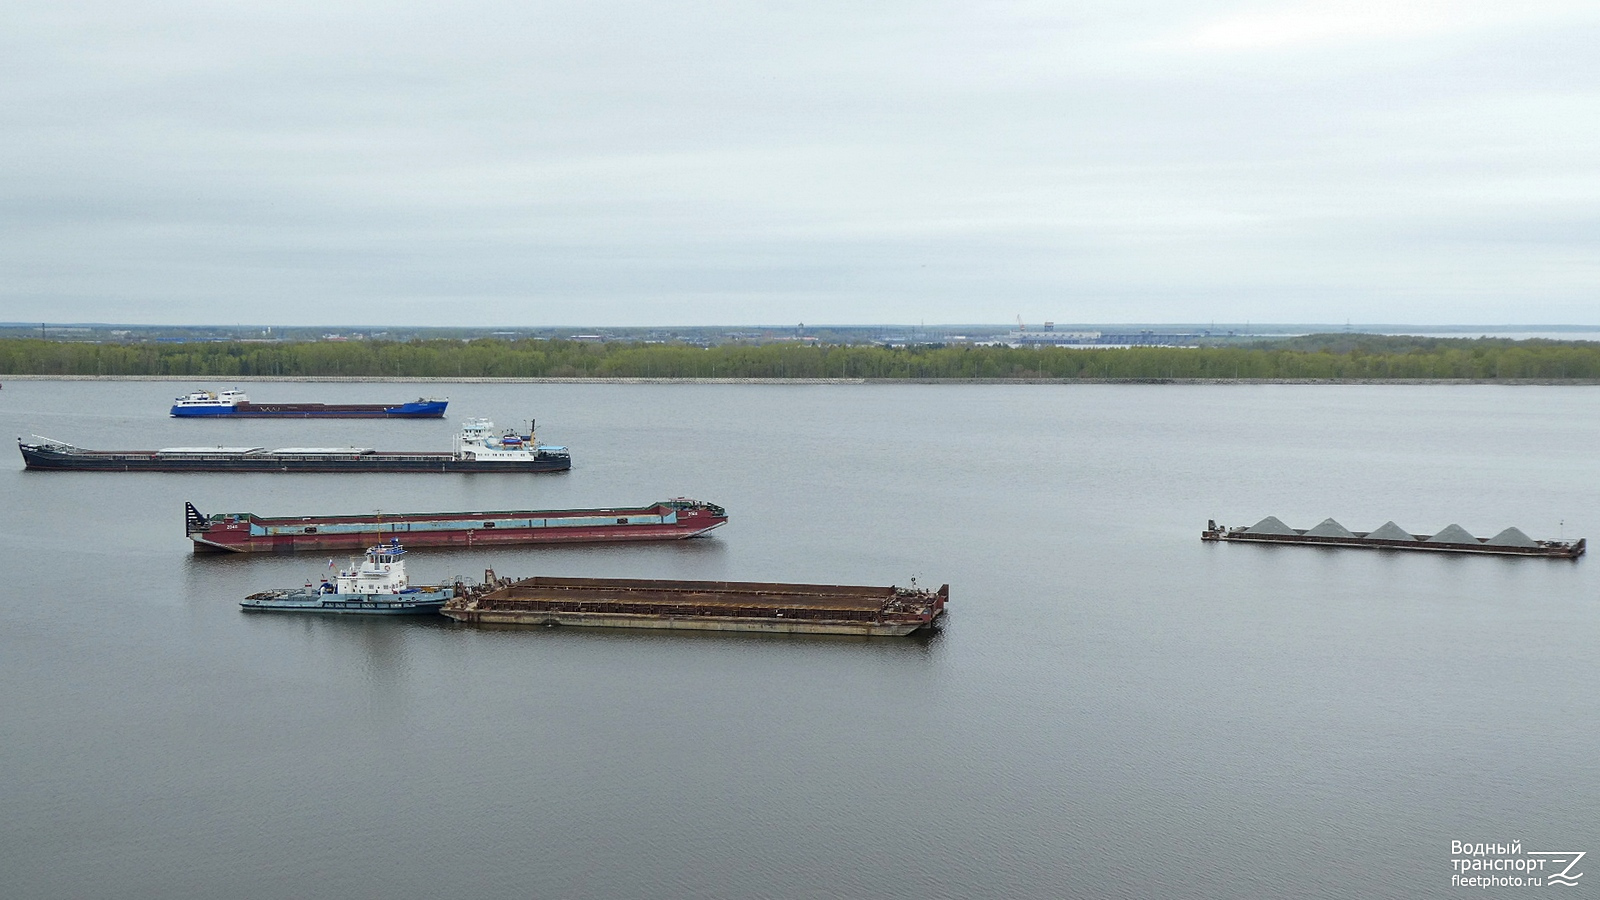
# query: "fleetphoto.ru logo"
[[1486, 864]]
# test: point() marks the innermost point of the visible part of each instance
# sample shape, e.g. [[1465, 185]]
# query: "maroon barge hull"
[[248, 533]]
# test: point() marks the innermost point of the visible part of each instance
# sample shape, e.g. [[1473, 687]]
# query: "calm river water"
[[1114, 709]]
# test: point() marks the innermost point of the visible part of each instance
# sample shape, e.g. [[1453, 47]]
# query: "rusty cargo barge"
[[1389, 536], [674, 519], [702, 605]]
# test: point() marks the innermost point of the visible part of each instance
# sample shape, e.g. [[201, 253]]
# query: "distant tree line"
[[1313, 357]]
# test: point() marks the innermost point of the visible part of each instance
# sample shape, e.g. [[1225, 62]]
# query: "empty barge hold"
[[477, 449], [249, 533], [702, 605], [1389, 536]]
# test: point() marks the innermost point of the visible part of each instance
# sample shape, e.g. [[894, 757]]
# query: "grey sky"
[[600, 163]]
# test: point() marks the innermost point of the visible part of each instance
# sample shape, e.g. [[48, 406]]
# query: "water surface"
[[1113, 710]]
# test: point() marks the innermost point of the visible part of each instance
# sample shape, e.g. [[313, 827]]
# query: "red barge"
[[249, 533]]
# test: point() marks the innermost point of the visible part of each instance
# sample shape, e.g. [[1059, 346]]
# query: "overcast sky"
[[656, 163]]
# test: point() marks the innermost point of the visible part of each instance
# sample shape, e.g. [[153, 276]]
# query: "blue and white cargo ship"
[[376, 585], [236, 404]]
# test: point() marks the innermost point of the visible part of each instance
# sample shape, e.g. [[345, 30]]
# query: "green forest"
[[1314, 357]]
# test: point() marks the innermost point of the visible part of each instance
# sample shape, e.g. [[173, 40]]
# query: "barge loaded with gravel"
[[702, 605], [1389, 536]]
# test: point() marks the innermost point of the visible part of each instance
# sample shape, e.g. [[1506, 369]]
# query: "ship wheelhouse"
[[383, 571], [204, 398]]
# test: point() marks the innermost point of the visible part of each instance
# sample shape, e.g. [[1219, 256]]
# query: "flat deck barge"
[[702, 605], [1452, 539], [674, 519], [477, 449]]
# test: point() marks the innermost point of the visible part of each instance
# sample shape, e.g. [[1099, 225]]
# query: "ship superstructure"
[[374, 585]]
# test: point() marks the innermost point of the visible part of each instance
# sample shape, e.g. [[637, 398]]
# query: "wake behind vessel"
[[377, 585], [236, 404], [248, 533], [477, 449]]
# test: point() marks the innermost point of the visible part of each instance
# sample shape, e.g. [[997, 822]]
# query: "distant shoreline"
[[334, 379]]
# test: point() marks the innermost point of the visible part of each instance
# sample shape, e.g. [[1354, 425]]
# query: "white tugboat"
[[376, 585]]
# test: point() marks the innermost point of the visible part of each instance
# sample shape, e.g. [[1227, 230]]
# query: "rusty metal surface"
[[834, 597], [789, 625], [702, 599]]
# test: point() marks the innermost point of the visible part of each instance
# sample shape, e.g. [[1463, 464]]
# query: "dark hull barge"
[[248, 533], [477, 450], [702, 605], [56, 458], [1452, 539]]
